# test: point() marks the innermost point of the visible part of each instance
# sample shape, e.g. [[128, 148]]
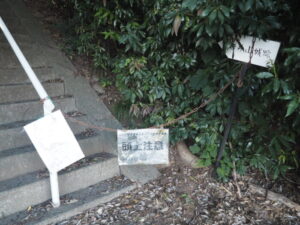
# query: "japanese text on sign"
[[144, 146], [264, 52]]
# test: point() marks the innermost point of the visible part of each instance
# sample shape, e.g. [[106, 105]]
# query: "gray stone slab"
[[25, 15], [19, 198], [32, 110], [38, 33], [92, 202], [13, 138], [26, 160], [16, 137], [55, 57], [6, 13], [140, 173], [19, 164], [24, 44], [15, 27], [20, 32], [18, 75], [92, 196], [22, 92], [5, 9], [33, 54], [21, 39], [18, 7]]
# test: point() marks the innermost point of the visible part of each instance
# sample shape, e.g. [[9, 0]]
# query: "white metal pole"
[[54, 189], [48, 105]]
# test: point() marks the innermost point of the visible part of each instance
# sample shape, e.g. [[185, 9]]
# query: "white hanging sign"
[[143, 146], [264, 52], [54, 141]]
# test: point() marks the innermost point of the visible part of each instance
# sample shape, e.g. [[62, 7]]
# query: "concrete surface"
[[17, 91], [76, 203], [39, 190], [15, 137], [32, 110], [19, 160]]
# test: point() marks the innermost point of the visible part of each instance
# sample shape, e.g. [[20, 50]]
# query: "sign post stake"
[[54, 189], [232, 111], [48, 106], [249, 50]]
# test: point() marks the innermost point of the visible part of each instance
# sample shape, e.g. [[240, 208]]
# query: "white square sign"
[[143, 146], [264, 52], [54, 141]]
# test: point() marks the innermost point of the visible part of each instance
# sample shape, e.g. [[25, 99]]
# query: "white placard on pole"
[[264, 52], [54, 141], [143, 146]]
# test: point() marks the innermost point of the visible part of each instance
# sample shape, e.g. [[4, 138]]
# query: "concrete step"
[[19, 32], [32, 53], [19, 8], [5, 9], [18, 75], [14, 24], [23, 92], [34, 188], [19, 161], [15, 136], [32, 110], [11, 21], [21, 39], [72, 204]]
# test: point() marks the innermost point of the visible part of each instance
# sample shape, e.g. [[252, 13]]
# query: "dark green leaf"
[[248, 5], [225, 11], [212, 16], [195, 149], [292, 106], [264, 75], [190, 4], [199, 80], [205, 12], [286, 97]]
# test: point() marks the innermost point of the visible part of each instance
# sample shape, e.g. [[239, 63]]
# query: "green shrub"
[[167, 61]]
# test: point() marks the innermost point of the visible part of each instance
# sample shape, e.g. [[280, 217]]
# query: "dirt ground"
[[182, 195]]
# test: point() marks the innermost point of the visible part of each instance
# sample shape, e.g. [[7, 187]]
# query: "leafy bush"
[[167, 61]]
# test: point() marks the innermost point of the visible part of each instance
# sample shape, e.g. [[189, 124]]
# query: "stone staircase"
[[24, 181]]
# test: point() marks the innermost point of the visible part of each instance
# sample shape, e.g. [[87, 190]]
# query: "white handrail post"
[[54, 189], [48, 106]]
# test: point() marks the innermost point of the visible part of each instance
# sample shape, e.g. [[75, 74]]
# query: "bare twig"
[[225, 189], [235, 181]]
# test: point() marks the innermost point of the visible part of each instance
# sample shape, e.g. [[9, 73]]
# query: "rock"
[[186, 156], [98, 88], [100, 211]]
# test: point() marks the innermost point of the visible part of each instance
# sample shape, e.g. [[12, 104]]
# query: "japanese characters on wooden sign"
[[143, 146], [54, 141], [264, 52]]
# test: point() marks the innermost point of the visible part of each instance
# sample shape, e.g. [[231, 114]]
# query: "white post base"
[[54, 189]]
